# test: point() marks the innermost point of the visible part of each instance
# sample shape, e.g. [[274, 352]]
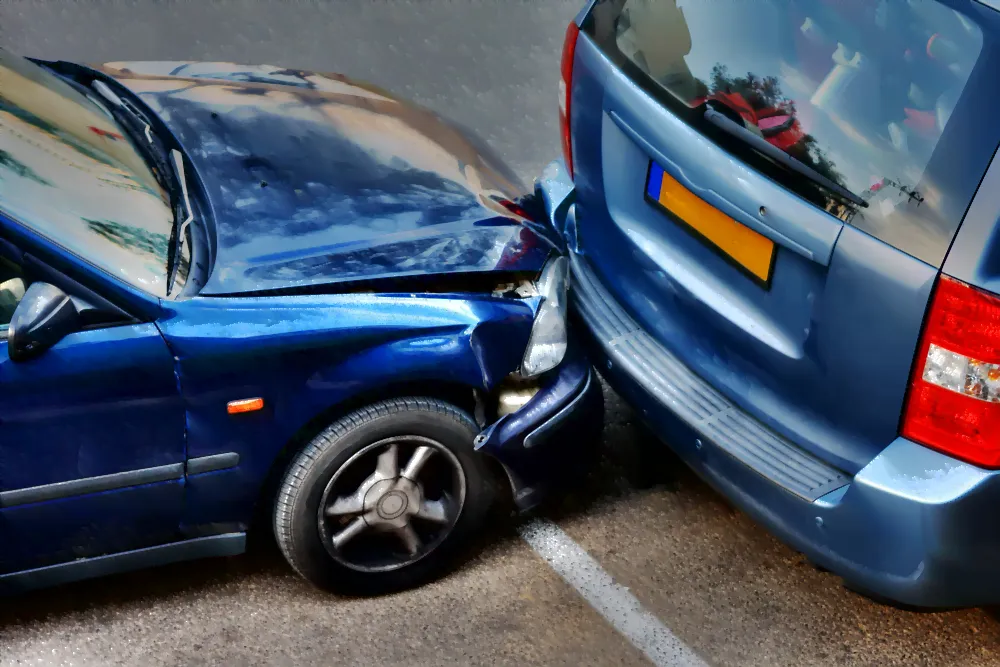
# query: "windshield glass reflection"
[[861, 91], [68, 173]]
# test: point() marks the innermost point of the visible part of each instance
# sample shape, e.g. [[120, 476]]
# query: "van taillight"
[[954, 400], [566, 92]]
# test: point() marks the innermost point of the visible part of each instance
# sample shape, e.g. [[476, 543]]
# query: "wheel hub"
[[390, 503], [391, 500]]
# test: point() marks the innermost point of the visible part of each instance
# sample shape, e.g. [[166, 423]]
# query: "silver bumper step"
[[685, 394]]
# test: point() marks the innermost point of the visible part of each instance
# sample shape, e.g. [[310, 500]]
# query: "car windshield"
[[861, 91], [68, 172]]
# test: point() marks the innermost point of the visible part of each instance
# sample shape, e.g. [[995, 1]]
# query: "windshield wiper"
[[138, 126], [177, 233], [763, 146], [136, 123]]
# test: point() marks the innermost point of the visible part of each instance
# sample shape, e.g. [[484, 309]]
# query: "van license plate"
[[749, 251]]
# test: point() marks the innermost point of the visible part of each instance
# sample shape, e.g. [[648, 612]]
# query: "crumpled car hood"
[[315, 179]]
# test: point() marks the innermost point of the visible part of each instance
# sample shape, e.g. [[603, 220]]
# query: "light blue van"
[[782, 219]]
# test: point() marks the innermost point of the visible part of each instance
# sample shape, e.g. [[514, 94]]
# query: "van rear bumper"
[[913, 526]]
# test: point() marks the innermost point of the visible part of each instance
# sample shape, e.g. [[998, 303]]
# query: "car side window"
[[12, 288]]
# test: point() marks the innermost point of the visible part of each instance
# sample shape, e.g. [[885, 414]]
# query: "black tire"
[[299, 528]]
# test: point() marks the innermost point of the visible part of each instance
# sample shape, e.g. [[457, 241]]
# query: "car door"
[[91, 440]]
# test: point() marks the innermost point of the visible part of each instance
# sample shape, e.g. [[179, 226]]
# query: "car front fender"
[[304, 356]]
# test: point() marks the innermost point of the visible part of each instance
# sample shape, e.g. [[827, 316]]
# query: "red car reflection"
[[777, 124]]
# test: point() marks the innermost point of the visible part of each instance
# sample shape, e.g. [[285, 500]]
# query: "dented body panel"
[[554, 435], [315, 179], [307, 354]]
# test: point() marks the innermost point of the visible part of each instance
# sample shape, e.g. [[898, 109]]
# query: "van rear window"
[[863, 91]]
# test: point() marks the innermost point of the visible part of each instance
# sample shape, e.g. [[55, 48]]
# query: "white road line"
[[614, 602]]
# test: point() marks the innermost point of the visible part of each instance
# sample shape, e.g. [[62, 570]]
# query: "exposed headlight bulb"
[[548, 341]]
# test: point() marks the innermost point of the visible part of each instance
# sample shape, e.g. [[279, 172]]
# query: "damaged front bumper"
[[548, 429], [553, 435]]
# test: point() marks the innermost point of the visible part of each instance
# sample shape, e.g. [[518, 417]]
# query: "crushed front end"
[[544, 419]]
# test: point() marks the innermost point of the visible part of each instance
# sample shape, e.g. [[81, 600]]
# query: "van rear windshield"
[[869, 93]]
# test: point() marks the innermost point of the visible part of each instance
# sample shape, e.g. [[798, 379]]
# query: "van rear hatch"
[[771, 187]]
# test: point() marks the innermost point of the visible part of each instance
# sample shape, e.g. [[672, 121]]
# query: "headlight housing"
[[548, 341]]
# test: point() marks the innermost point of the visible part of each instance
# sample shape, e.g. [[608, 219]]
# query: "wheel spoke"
[[388, 463], [346, 506], [433, 510], [409, 538], [352, 530], [417, 461]]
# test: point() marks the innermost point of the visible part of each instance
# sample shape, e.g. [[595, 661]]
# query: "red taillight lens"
[[566, 93], [954, 401]]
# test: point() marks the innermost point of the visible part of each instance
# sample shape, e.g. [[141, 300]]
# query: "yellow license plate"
[[748, 250]]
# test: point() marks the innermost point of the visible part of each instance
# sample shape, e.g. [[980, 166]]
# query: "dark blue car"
[[784, 247], [229, 292]]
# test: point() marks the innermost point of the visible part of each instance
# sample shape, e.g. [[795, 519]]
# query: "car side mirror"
[[44, 316]]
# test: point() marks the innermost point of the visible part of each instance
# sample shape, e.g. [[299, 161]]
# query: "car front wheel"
[[385, 498]]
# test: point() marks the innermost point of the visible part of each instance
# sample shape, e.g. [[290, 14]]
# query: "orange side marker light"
[[245, 405]]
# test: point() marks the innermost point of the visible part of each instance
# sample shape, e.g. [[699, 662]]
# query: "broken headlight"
[[547, 343]]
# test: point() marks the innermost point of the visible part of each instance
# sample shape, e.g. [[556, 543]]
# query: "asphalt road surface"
[[705, 576]]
